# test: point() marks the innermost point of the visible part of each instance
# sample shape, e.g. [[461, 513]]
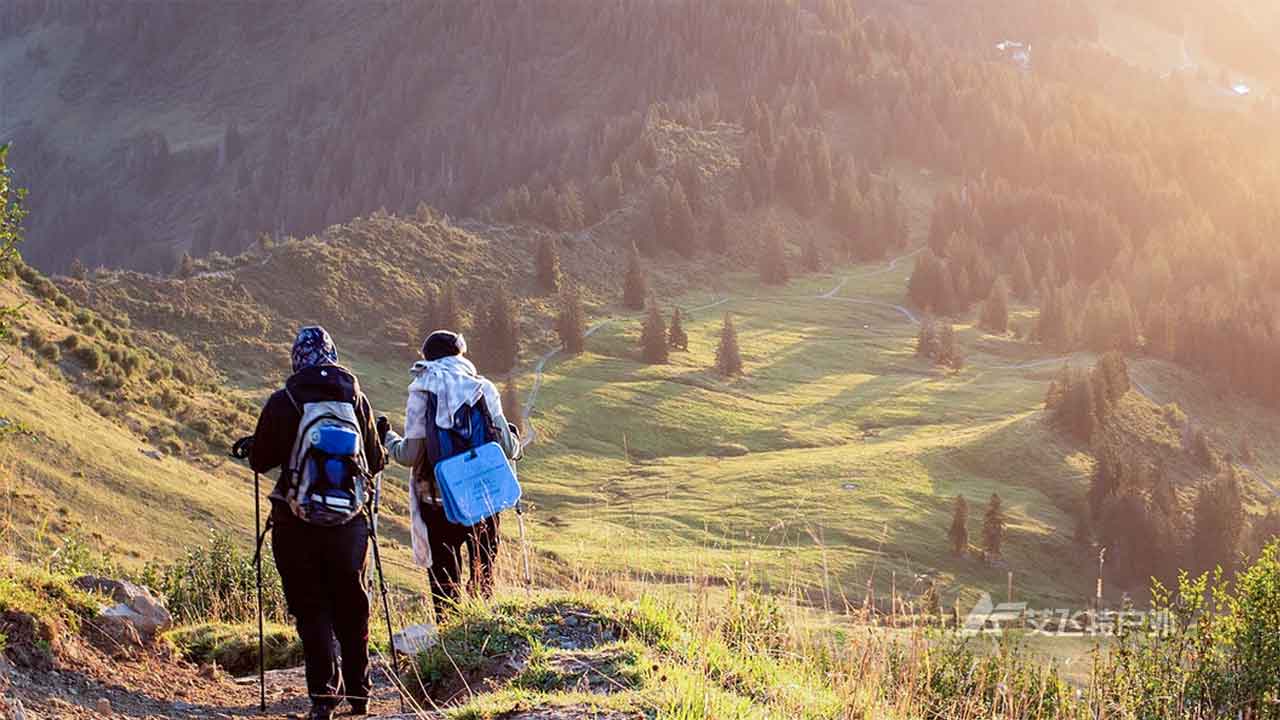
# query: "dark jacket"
[[278, 425]]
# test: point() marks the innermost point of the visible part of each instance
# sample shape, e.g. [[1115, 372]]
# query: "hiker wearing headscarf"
[[321, 568], [444, 381]]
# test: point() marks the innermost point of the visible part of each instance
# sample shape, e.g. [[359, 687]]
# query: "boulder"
[[415, 639], [136, 610]]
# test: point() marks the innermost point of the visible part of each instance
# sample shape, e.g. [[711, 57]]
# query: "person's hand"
[[384, 427], [242, 448]]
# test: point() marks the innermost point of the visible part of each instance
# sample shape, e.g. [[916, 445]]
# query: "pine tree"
[[186, 267], [511, 402], [1023, 285], [773, 258], [548, 265], [949, 353], [719, 239], [1218, 521], [653, 336], [677, 338], [499, 334], [927, 339], [959, 532], [993, 527], [430, 311], [728, 358], [571, 324], [448, 313], [812, 258], [635, 288], [995, 311], [683, 233]]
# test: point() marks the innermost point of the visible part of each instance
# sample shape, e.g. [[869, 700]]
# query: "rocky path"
[[89, 685]]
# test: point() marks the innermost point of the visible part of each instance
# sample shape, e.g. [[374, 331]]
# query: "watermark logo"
[[987, 618]]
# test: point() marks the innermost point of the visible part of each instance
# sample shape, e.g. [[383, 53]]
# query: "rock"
[[415, 639], [183, 707], [153, 454], [211, 672], [728, 450], [16, 710], [103, 707], [571, 621], [595, 629], [135, 606]]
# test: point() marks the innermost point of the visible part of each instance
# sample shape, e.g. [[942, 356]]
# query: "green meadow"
[[830, 463]]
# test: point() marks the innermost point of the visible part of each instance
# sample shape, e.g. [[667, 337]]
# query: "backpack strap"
[[292, 400]]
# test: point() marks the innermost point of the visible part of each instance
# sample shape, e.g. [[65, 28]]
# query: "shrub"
[[216, 583], [1207, 650], [90, 356], [131, 363], [71, 342], [50, 352], [235, 647], [112, 379]]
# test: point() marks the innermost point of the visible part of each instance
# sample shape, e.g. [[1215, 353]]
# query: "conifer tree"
[[448, 313], [548, 265], [683, 233], [719, 238], [995, 311], [927, 339], [1023, 285], [499, 334], [959, 532], [948, 350], [728, 357], [677, 338], [635, 288], [430, 310], [812, 257], [1218, 519], [571, 323], [653, 336], [186, 267], [993, 527], [773, 258], [511, 402]]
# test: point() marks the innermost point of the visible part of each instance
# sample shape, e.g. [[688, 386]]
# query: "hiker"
[[444, 382], [322, 565]]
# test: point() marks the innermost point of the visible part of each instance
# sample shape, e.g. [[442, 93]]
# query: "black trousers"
[[323, 573], [447, 541]]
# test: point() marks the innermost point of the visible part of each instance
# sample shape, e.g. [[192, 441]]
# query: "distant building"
[[1018, 53], [1241, 89]]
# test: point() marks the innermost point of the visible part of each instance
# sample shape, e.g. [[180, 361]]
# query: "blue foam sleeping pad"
[[477, 484]]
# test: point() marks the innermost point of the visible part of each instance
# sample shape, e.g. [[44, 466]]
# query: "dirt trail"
[[87, 684]]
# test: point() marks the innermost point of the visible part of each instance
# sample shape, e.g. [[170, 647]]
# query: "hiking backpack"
[[470, 473], [328, 472]]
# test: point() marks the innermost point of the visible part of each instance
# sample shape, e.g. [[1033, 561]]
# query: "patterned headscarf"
[[313, 347]]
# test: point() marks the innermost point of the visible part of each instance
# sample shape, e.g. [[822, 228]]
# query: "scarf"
[[313, 347]]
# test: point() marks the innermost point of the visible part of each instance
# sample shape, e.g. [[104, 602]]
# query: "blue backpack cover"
[[473, 475], [477, 484]]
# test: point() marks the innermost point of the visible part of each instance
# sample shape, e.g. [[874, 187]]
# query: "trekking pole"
[[524, 550], [257, 564], [240, 451], [382, 584]]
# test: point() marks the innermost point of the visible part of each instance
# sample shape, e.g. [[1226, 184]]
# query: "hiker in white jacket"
[[445, 382]]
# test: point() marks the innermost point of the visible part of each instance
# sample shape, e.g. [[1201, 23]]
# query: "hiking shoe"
[[358, 707], [320, 713]]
